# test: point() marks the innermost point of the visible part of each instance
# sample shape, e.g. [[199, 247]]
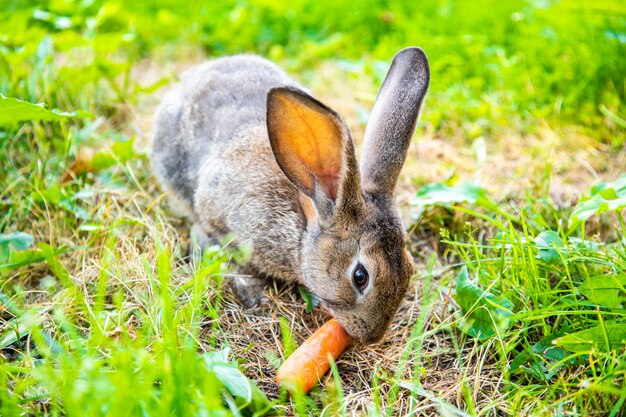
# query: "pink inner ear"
[[330, 185], [326, 170]]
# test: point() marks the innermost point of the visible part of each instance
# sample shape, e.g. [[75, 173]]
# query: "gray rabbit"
[[243, 150]]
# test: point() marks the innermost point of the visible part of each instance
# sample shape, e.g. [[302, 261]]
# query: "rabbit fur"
[[242, 150]]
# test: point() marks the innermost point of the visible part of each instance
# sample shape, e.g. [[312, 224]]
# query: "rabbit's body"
[[214, 153], [244, 151]]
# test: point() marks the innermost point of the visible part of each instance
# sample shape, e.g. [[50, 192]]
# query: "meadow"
[[512, 195]]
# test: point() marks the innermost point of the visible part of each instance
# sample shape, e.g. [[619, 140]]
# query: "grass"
[[517, 306]]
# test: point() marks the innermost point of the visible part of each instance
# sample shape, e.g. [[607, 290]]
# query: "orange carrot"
[[312, 359]]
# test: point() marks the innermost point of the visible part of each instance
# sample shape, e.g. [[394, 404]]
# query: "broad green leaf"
[[607, 290], [595, 205], [10, 241], [18, 240], [43, 252], [57, 196], [612, 332], [121, 151], [485, 314], [11, 259], [604, 196], [18, 259], [585, 245], [549, 243], [15, 110], [52, 195], [311, 301], [71, 206], [442, 194], [543, 360], [618, 186], [246, 393]]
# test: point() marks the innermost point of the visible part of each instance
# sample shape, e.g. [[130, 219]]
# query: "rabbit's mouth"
[[326, 306], [353, 322]]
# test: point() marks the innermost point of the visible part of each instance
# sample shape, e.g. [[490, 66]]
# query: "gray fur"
[[212, 154], [392, 123]]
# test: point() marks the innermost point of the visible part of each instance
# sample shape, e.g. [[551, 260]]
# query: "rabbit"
[[244, 151]]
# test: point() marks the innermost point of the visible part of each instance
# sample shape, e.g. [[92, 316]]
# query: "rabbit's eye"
[[360, 277]]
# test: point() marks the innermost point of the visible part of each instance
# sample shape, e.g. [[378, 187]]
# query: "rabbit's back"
[[197, 119]]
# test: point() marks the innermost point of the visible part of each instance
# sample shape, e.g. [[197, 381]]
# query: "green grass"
[[100, 314], [123, 352], [538, 279]]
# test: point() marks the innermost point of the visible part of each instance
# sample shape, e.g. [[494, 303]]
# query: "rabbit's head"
[[353, 249]]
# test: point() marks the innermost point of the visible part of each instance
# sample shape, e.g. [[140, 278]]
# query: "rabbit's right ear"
[[393, 120], [312, 146]]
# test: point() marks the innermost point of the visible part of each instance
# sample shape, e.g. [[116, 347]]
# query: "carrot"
[[312, 359]]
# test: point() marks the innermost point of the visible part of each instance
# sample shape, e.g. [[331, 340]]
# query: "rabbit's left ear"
[[393, 121], [312, 146]]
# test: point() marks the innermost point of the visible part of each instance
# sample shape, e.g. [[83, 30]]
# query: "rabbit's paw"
[[249, 289]]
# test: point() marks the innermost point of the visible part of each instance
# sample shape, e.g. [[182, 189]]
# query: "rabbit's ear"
[[393, 120], [311, 144]]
